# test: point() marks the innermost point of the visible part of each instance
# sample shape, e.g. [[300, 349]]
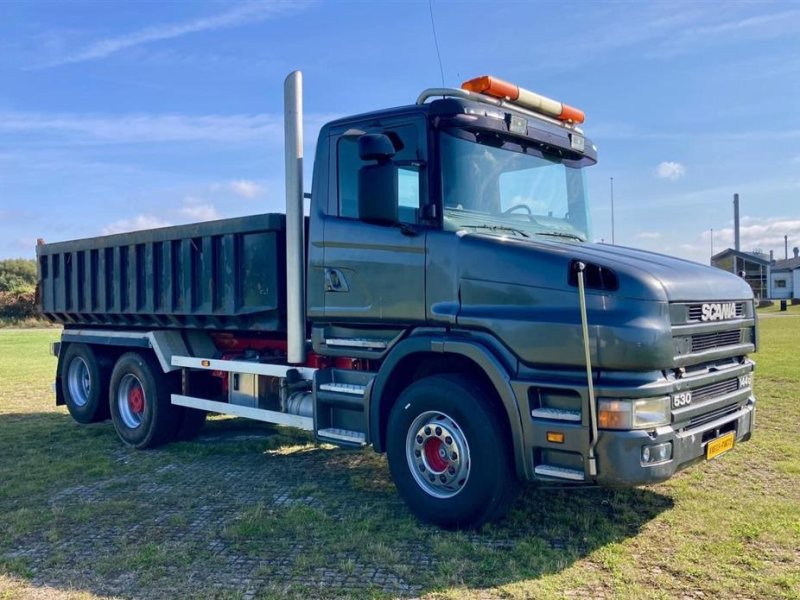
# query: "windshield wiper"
[[499, 228], [561, 234]]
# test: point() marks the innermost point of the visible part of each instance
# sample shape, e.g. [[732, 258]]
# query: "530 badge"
[[681, 399]]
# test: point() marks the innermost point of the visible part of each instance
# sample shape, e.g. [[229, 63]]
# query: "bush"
[[17, 306], [764, 302], [795, 301], [17, 275]]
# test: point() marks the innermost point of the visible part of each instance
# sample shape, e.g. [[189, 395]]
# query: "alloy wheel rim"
[[438, 454]]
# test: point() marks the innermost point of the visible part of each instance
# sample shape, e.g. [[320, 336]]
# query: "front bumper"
[[559, 408], [619, 453]]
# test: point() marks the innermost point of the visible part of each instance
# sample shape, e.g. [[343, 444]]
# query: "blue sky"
[[121, 115]]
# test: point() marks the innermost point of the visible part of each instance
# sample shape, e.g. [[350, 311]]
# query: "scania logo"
[[718, 311]]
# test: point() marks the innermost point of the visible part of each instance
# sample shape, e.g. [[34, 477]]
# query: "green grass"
[[725, 529], [791, 309]]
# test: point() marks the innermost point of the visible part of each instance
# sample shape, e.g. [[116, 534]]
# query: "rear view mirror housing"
[[376, 146]]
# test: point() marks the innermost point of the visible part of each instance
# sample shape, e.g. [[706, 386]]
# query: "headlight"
[[644, 413]]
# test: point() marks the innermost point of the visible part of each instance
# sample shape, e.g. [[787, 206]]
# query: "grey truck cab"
[[453, 313]]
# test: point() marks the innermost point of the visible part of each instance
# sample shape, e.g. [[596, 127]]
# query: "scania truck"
[[442, 302]]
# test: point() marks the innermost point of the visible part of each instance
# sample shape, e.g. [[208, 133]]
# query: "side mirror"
[[375, 146], [377, 193]]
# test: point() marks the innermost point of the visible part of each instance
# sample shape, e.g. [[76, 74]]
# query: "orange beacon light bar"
[[497, 88]]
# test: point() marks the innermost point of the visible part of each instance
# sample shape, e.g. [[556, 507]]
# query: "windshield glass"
[[494, 184]]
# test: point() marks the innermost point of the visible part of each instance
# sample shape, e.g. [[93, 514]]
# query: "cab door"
[[376, 273]]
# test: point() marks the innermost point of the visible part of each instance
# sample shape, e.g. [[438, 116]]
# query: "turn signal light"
[[497, 88], [555, 437]]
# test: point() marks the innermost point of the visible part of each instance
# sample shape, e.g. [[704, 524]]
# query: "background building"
[[756, 268], [785, 278]]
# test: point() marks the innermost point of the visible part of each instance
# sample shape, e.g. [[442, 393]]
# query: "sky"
[[127, 115]]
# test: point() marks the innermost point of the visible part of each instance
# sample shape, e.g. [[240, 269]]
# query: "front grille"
[[696, 311], [717, 339], [713, 390], [713, 415]]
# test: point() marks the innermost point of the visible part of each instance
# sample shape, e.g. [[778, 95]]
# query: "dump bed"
[[227, 274]]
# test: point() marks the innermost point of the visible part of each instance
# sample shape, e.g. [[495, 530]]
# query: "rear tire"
[[139, 397], [449, 453], [84, 383]]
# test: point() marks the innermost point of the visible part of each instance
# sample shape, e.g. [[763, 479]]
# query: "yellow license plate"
[[720, 445]]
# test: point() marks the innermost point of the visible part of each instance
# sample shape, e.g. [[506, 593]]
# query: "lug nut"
[[454, 456], [417, 453], [438, 431], [451, 470], [431, 477], [442, 478], [448, 440], [419, 439], [422, 468], [427, 431]]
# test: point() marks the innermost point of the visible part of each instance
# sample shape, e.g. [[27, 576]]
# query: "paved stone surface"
[[170, 530]]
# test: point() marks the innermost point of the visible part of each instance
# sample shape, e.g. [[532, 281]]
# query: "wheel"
[[84, 382], [139, 396], [448, 453]]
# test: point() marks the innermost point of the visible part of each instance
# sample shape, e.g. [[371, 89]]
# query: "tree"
[[17, 275]]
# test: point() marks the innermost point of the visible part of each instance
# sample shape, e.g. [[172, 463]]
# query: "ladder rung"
[[343, 388], [556, 414], [559, 472], [343, 435], [355, 343]]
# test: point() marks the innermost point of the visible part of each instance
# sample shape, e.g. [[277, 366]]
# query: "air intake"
[[596, 277]]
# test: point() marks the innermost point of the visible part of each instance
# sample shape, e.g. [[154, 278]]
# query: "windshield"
[[492, 184]]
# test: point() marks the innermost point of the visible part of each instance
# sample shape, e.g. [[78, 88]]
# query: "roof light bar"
[[492, 86]]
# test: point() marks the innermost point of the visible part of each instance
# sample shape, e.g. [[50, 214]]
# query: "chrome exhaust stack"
[[295, 230]]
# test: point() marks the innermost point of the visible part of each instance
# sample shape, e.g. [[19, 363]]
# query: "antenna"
[[436, 41]]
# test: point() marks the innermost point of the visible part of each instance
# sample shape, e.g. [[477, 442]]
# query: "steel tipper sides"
[[227, 274]]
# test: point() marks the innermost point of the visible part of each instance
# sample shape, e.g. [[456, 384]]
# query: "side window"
[[409, 182], [348, 164]]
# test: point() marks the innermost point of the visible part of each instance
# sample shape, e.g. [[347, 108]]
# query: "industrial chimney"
[[786, 247], [796, 251], [736, 222]]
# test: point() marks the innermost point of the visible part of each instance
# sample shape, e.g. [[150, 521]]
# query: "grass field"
[[251, 510]]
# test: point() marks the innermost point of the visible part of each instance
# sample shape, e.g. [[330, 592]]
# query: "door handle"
[[335, 281]]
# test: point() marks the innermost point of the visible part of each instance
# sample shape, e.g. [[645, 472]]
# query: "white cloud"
[[195, 209], [134, 224], [759, 234], [138, 128], [245, 188], [670, 170], [648, 235], [244, 14]]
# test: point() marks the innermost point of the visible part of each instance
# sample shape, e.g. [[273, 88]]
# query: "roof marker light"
[[492, 86]]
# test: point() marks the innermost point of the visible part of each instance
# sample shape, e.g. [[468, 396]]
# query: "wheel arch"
[[421, 356]]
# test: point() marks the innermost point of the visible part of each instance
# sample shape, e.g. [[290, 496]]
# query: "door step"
[[559, 472], [356, 343], [343, 435], [557, 414], [343, 388]]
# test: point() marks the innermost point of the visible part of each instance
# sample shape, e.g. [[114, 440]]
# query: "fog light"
[[657, 453]]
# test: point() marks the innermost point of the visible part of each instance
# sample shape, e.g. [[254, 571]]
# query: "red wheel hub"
[[136, 400], [436, 455]]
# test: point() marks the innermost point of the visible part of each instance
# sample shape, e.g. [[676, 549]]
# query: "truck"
[[441, 301]]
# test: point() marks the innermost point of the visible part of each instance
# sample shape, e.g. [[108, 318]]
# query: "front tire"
[[141, 407], [84, 383], [449, 453]]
